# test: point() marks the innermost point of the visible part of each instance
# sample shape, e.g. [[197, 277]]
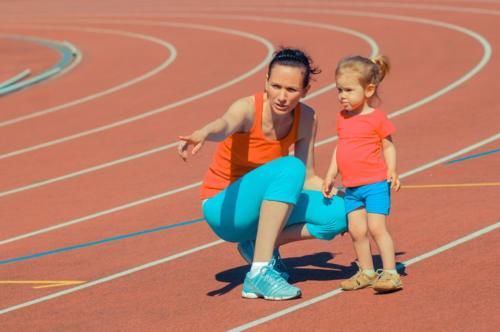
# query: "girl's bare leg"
[[377, 226], [358, 229]]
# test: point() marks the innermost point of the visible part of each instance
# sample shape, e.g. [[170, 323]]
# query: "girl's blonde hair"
[[371, 70]]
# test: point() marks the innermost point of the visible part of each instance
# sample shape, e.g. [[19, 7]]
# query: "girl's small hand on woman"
[[328, 189]]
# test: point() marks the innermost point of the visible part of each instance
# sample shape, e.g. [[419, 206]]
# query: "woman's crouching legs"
[[256, 208]]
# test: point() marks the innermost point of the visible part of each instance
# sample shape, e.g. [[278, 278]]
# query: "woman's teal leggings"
[[233, 214]]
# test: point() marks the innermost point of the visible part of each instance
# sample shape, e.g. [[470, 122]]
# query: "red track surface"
[[46, 159]]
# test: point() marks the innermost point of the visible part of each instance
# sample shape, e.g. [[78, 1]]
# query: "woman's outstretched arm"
[[235, 119]]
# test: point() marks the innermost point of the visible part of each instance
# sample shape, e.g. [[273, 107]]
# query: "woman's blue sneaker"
[[270, 285], [246, 250]]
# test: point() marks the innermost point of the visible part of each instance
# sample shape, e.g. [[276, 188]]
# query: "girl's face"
[[351, 94], [284, 88]]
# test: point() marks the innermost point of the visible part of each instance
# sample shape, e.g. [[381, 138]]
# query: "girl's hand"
[[196, 139], [393, 178], [328, 189]]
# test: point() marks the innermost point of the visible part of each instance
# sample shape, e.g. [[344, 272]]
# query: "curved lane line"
[[370, 41], [417, 6], [487, 49], [154, 71], [76, 61], [167, 107]]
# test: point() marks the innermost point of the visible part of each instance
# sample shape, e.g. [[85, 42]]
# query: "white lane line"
[[374, 48], [197, 249], [452, 156], [370, 41], [100, 213], [472, 1], [417, 6], [338, 291], [88, 170], [110, 277], [167, 107], [487, 49], [172, 55]]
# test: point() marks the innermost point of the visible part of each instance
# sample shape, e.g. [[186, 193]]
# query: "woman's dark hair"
[[294, 57]]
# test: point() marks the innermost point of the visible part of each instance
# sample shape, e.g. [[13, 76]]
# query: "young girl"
[[365, 156]]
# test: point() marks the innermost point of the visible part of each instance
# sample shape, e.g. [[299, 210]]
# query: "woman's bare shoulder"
[[244, 111], [246, 103]]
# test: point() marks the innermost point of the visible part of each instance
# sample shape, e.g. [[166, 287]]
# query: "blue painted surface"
[[66, 59], [106, 240], [472, 156]]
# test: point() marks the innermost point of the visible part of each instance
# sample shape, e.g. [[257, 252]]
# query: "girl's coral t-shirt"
[[359, 151]]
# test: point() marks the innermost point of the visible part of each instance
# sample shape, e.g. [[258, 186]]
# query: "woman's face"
[[284, 88]]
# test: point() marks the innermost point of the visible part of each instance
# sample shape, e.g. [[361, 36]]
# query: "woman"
[[253, 192]]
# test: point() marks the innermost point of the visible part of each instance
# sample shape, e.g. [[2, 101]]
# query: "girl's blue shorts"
[[374, 197]]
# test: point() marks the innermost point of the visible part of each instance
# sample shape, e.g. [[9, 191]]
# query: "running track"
[[93, 194]]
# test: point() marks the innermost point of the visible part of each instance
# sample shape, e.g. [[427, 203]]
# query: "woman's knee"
[[231, 226], [232, 233]]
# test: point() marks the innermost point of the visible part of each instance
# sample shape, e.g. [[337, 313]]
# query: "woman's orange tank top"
[[242, 152]]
